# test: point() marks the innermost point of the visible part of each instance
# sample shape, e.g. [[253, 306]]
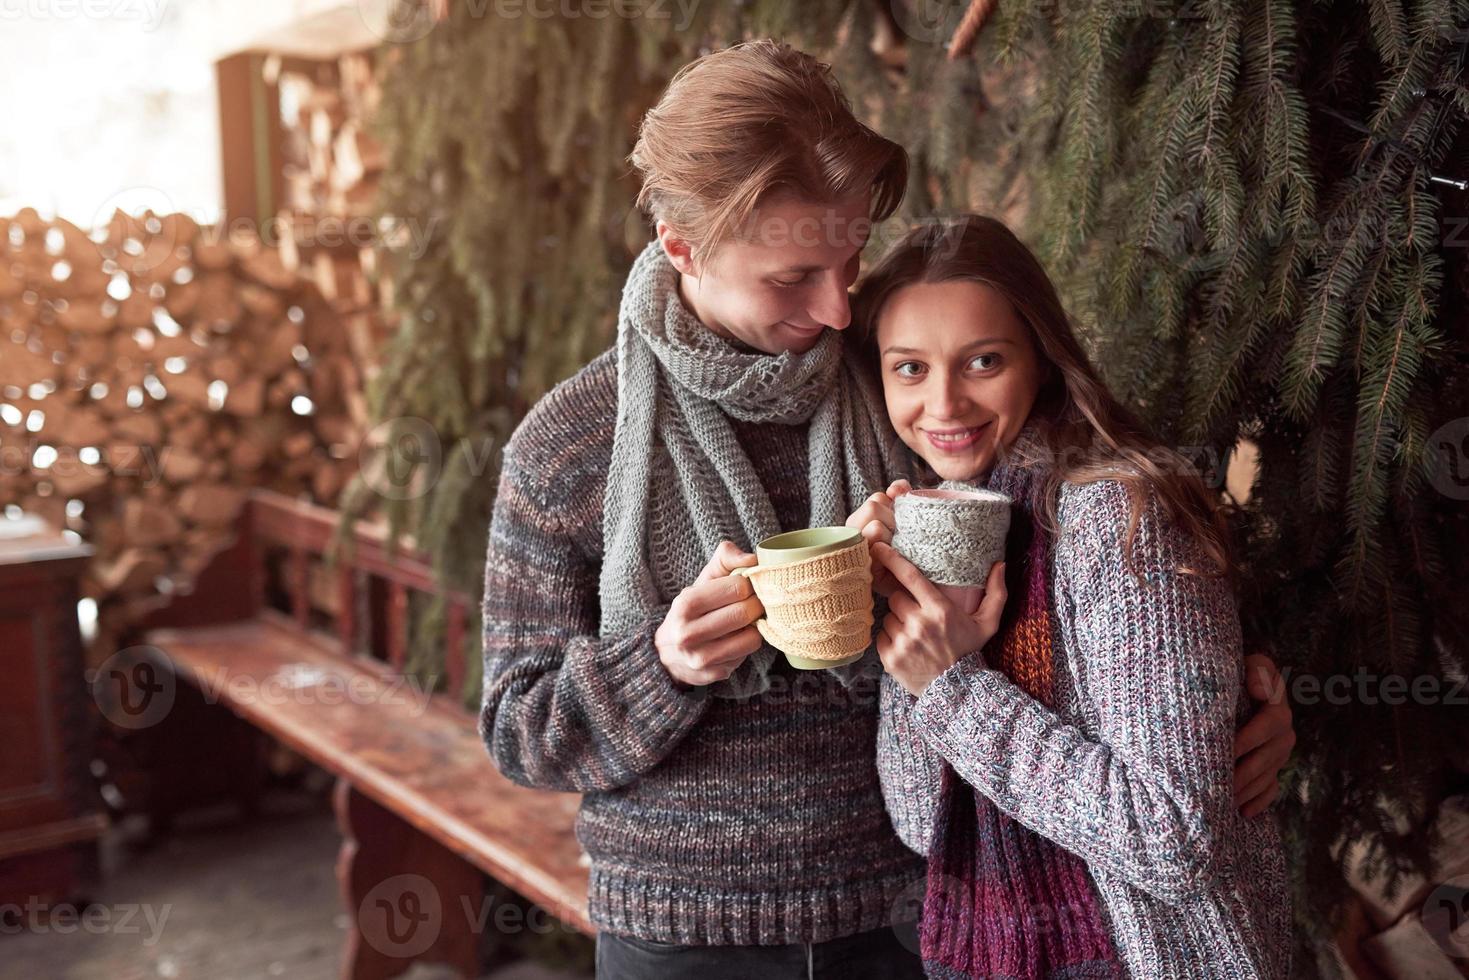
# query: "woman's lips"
[[956, 440]]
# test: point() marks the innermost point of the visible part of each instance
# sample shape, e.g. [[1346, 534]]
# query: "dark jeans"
[[882, 954]]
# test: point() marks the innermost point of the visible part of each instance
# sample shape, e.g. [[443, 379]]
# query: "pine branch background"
[[1238, 200]]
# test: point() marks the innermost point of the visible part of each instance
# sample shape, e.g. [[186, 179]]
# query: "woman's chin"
[[960, 471]]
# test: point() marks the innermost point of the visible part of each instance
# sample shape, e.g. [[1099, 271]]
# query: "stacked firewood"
[[151, 372], [331, 167]]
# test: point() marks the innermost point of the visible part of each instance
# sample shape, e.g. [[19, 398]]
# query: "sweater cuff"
[[634, 676], [969, 696]]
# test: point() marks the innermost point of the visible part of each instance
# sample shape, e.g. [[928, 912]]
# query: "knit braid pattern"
[[953, 541], [819, 608]]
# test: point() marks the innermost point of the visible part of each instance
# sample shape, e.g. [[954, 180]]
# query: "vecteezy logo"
[[906, 911], [401, 458], [925, 21], [146, 206], [397, 21], [135, 687], [401, 916], [1447, 459], [1445, 916], [628, 227]]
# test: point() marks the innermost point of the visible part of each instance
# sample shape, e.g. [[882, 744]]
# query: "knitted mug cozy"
[[819, 608], [953, 536]]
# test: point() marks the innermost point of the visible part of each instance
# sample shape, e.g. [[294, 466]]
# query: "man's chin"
[[780, 339], [799, 341]]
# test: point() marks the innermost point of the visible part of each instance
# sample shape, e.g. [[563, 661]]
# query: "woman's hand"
[[1264, 744], [877, 522], [924, 634]]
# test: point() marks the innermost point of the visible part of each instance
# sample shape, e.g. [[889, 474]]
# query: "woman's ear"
[[1047, 366]]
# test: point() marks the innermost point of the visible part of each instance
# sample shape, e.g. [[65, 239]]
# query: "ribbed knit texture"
[[1132, 769], [1002, 900], [951, 540], [708, 820]]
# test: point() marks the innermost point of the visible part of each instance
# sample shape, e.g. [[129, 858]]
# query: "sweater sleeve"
[[909, 770], [1146, 794], [563, 708]]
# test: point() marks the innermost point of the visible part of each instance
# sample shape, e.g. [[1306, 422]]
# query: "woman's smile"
[[954, 440]]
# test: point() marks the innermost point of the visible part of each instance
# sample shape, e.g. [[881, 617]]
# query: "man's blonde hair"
[[754, 119]]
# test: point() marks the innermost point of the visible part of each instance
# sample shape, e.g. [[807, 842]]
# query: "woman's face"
[[959, 373], [778, 289]]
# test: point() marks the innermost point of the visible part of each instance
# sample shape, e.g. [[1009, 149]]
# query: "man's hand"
[[1264, 744], [708, 631]]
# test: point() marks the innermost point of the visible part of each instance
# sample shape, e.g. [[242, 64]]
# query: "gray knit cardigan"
[[1132, 771]]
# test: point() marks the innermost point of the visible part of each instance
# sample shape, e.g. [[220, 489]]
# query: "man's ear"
[[679, 251]]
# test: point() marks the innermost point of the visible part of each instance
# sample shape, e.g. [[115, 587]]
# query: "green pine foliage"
[[1236, 198], [1241, 203], [507, 140]]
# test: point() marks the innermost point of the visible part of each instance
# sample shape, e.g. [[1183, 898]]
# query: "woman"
[[1062, 755]]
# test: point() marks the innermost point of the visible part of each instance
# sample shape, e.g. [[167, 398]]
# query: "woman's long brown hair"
[[1083, 433]]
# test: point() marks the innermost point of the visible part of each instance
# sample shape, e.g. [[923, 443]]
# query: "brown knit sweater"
[[709, 821]]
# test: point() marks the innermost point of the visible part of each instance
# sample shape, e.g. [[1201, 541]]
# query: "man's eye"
[[789, 282]]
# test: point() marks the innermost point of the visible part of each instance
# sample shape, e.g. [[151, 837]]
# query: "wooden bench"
[[423, 811]]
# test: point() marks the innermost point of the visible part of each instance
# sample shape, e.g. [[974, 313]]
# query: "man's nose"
[[834, 306]]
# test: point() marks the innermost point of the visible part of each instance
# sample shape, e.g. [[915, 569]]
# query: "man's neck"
[[686, 289]]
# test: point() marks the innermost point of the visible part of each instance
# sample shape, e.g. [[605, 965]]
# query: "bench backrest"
[[356, 604]]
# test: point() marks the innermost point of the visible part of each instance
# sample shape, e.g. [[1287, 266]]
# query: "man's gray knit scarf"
[[680, 483]]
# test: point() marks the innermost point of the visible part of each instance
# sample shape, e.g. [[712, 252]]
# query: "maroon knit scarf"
[[1001, 900]]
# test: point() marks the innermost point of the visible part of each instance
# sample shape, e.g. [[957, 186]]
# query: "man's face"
[[784, 281]]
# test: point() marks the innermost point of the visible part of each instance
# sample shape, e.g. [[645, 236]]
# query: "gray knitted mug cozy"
[[953, 535]]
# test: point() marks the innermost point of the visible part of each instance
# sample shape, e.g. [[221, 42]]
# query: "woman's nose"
[[946, 399]]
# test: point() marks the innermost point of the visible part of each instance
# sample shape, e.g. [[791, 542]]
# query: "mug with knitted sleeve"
[[954, 536], [816, 587]]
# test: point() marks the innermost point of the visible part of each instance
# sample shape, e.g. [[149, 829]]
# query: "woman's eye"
[[907, 369], [992, 358]]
